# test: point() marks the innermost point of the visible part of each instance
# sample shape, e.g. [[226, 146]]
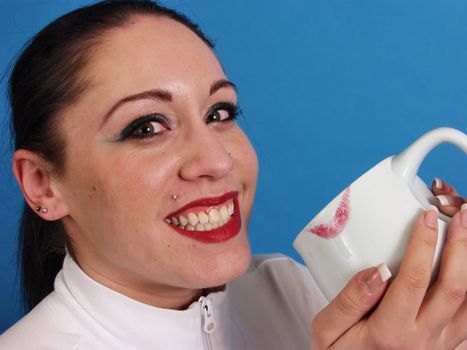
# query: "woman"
[[127, 153]]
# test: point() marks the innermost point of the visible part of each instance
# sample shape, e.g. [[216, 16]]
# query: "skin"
[[406, 314], [114, 197]]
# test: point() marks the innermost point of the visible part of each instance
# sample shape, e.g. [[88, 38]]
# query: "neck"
[[161, 296]]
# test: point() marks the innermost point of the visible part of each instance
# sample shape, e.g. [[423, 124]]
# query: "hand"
[[449, 200], [409, 316]]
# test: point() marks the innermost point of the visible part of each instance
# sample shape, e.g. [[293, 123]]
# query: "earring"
[[42, 210], [174, 196]]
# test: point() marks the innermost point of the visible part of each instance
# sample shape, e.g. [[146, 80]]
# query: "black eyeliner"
[[232, 108], [131, 128]]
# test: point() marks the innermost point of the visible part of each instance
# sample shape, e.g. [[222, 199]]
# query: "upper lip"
[[207, 202]]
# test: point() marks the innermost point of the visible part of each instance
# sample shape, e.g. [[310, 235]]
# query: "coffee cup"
[[370, 221]]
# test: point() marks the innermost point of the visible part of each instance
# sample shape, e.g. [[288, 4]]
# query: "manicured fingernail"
[[375, 277], [443, 199], [431, 217], [438, 183], [464, 215]]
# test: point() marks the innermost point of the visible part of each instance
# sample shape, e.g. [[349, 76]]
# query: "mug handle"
[[407, 163]]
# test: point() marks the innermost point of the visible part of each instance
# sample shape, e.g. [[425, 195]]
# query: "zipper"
[[208, 321]]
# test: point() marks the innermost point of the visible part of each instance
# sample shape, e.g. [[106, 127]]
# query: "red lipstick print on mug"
[[339, 221]]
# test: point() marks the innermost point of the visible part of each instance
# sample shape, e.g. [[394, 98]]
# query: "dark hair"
[[47, 77]]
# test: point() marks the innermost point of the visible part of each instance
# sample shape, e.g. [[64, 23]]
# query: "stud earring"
[[42, 210], [174, 196]]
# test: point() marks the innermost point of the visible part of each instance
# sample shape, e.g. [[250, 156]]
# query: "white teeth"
[[213, 216], [183, 220], [203, 217], [216, 217], [192, 219], [223, 213]]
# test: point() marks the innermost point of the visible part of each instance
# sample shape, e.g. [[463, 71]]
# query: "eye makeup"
[[130, 130]]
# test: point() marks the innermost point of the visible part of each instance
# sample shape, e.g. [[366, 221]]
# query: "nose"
[[206, 157]]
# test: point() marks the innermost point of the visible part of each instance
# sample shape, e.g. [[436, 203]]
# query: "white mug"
[[370, 221]]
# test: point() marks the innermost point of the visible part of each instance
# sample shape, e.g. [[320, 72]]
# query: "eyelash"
[[130, 131]]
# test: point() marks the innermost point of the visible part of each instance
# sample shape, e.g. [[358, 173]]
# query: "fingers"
[[449, 201], [456, 332], [358, 297], [440, 187], [450, 205], [404, 297], [449, 291]]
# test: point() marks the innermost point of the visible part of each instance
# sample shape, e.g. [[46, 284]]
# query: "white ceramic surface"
[[370, 221]]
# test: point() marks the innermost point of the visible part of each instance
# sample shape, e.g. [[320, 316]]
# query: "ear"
[[38, 184]]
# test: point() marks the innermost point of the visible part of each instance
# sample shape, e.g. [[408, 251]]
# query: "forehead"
[[153, 52]]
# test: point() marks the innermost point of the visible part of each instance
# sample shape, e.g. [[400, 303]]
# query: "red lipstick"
[[217, 235], [338, 222]]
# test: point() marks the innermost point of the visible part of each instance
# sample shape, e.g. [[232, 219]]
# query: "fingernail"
[[375, 278], [438, 183], [431, 217], [443, 199], [464, 215]]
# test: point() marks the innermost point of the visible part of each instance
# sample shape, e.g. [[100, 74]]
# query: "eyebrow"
[[163, 95]]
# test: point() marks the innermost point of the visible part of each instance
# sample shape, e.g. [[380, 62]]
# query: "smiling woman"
[[138, 187], [144, 184]]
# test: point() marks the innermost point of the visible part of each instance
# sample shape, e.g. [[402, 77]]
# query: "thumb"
[[358, 297]]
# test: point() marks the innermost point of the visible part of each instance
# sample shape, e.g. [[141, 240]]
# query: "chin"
[[226, 267]]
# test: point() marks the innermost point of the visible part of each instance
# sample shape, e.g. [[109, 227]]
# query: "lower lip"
[[217, 235]]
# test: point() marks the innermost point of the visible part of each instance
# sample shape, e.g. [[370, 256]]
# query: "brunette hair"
[[48, 76]]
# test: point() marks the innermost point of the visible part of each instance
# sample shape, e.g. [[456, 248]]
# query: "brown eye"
[[148, 129], [146, 126], [223, 112], [218, 116]]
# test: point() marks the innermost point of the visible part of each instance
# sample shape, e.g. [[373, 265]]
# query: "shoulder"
[[282, 281], [53, 324], [276, 296]]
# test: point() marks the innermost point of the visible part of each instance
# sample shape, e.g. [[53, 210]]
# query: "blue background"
[[328, 89]]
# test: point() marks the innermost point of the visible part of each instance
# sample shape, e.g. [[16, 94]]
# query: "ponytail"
[[42, 249]]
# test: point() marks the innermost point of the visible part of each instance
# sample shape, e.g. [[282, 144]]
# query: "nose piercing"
[[174, 196]]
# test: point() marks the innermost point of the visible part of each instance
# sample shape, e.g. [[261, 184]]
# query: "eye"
[[222, 112], [145, 127]]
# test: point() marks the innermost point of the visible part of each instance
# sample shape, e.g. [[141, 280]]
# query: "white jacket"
[[268, 308]]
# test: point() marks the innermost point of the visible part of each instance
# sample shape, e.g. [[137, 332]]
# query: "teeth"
[[213, 216], [183, 220], [223, 213], [192, 219], [203, 217], [216, 217]]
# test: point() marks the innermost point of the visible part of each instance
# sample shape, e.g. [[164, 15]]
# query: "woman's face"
[[157, 120]]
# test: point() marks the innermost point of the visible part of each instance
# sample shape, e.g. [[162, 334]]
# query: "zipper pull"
[[209, 325]]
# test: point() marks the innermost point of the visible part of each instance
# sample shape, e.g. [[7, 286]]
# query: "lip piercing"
[[42, 210], [174, 196]]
